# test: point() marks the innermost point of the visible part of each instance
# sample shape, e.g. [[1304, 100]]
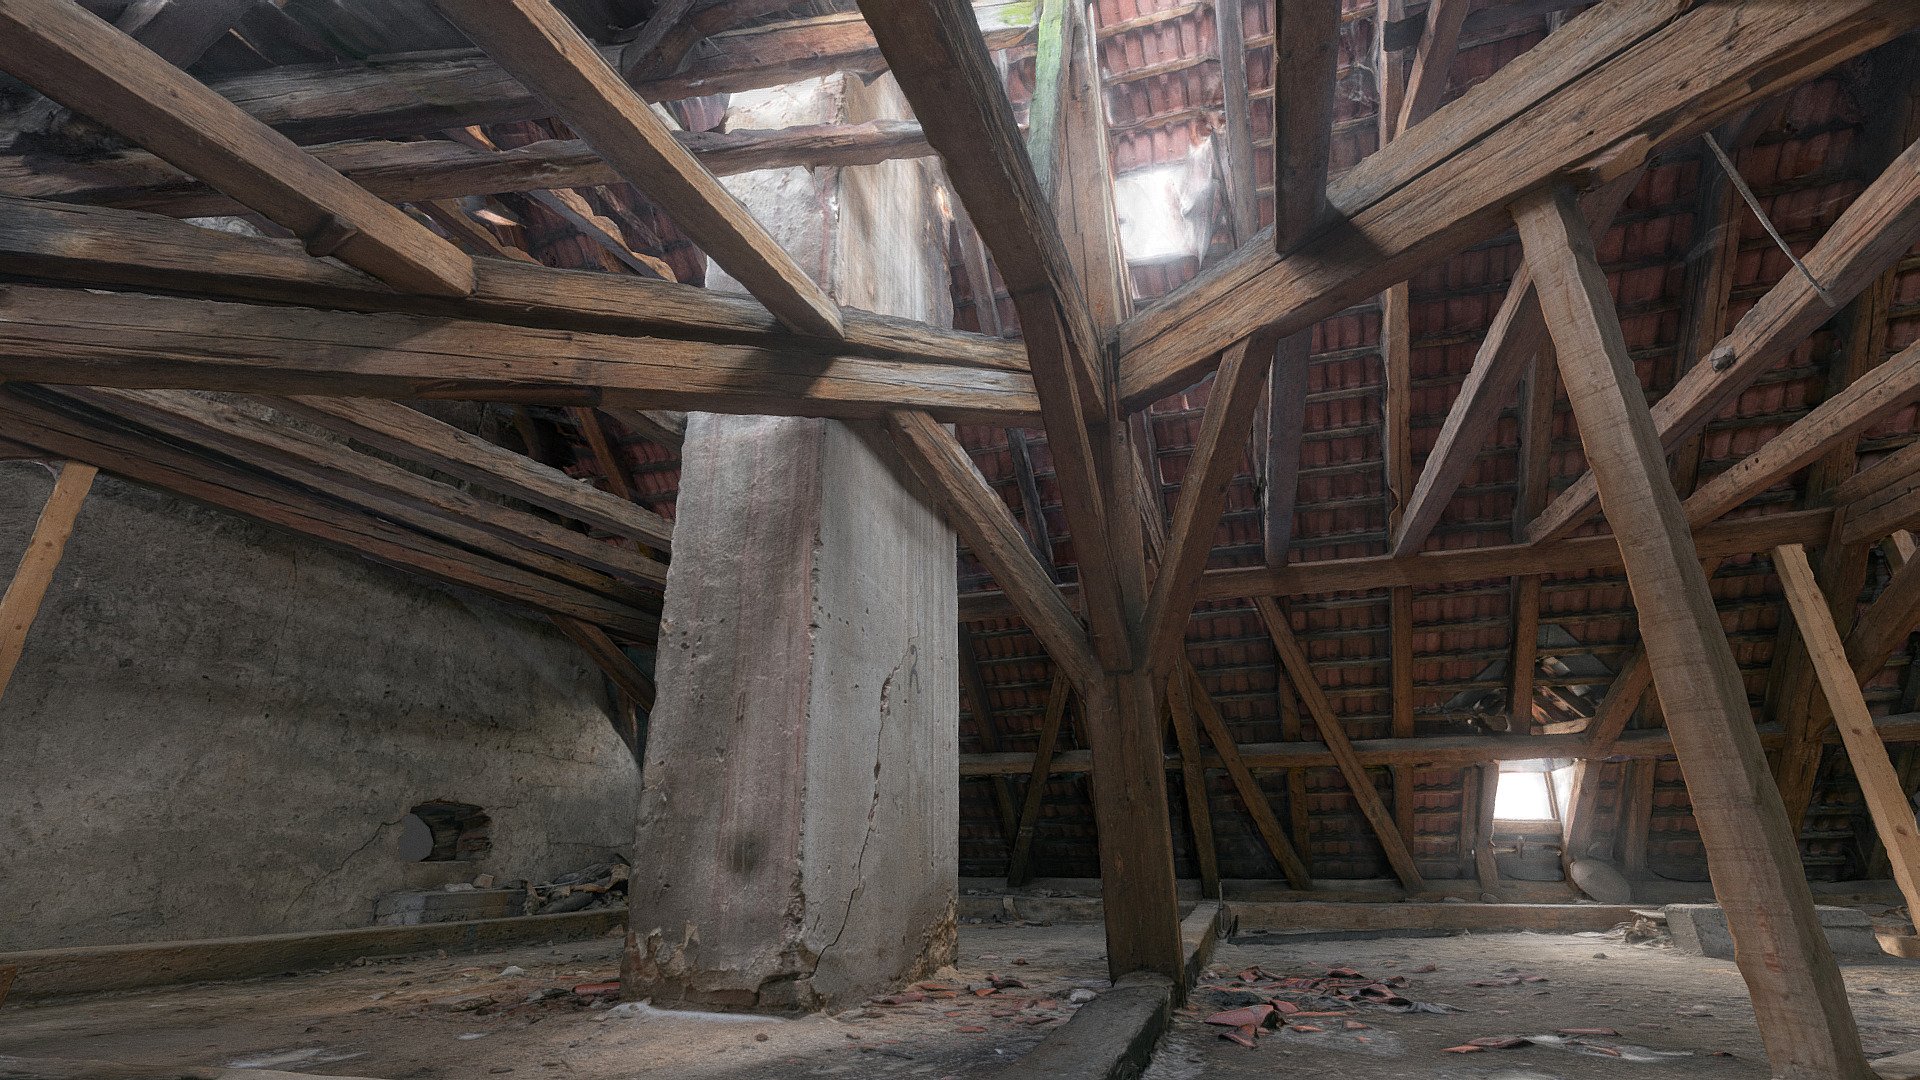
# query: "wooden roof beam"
[[443, 169], [1598, 94], [97, 246], [72, 56], [1874, 232], [1308, 52], [1431, 568], [414, 94], [551, 57], [383, 488], [159, 464], [938, 55], [413, 435], [154, 342]]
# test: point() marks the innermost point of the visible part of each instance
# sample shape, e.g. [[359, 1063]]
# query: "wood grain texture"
[[550, 56], [1879, 227], [422, 93], [88, 66], [1602, 91], [417, 437], [94, 245], [1885, 795], [1805, 1022], [152, 342], [1306, 54], [1019, 863], [151, 462], [609, 658]]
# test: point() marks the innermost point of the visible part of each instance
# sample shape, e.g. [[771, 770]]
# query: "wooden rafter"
[[1603, 91], [1879, 227], [1885, 795], [382, 488], [1019, 863], [75, 58], [1259, 807], [443, 169], [1306, 51], [158, 464], [552, 58], [410, 95], [610, 659], [417, 437]]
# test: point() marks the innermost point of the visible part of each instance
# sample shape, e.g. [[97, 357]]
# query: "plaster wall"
[[217, 727]]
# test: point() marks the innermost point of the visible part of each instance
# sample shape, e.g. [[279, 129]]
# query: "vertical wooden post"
[[1782, 953], [29, 585]]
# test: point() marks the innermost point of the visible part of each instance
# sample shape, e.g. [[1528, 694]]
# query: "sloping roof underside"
[[1164, 97]]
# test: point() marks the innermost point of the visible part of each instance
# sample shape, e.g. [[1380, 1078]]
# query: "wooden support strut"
[[1294, 659], [28, 586], [1798, 997], [1886, 796]]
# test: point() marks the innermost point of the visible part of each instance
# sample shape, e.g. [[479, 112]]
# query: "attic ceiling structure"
[[1351, 397]]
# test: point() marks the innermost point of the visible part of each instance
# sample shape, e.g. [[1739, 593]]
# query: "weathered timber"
[[609, 658], [1599, 93], [987, 526], [550, 56], [1885, 795], [1306, 52], [417, 437], [154, 342], [441, 169], [1805, 1021], [1880, 226], [99, 246], [1440, 751], [85, 64], [414, 94], [158, 464], [1742, 537], [1294, 659]]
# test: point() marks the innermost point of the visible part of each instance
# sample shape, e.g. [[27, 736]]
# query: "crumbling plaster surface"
[[216, 728], [798, 833]]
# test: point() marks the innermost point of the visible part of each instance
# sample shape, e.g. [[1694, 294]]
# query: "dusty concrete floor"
[[1659, 1001], [417, 1018]]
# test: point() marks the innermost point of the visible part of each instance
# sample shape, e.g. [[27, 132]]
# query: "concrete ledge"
[[1701, 929], [1200, 931], [1898, 1067], [1542, 918], [90, 969], [1110, 1038], [22, 1068]]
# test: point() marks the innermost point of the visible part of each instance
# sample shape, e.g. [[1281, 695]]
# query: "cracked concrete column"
[[798, 830]]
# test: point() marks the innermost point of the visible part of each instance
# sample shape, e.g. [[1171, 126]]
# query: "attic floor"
[[1661, 1003], [415, 1019]]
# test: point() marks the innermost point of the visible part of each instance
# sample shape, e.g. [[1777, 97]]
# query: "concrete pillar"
[[798, 830]]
